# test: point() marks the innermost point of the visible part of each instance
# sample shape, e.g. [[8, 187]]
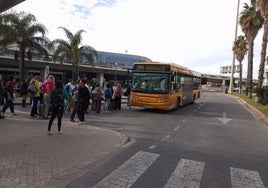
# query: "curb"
[[258, 114]]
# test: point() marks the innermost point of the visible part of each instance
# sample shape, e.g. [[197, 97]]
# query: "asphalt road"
[[215, 142]]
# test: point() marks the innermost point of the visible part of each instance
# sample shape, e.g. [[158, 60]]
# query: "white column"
[[100, 78]]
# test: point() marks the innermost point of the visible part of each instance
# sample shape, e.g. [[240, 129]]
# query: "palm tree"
[[263, 7], [23, 30], [71, 50], [251, 22], [240, 50]]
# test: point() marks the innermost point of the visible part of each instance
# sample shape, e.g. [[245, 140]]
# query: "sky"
[[196, 34]]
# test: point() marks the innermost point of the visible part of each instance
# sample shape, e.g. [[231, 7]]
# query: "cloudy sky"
[[197, 34]]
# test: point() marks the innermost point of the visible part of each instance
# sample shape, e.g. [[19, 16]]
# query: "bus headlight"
[[163, 99], [133, 97]]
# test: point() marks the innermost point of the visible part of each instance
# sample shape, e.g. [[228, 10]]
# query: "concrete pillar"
[[100, 79]]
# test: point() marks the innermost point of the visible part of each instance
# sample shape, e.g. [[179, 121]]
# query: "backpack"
[[67, 88], [32, 89], [55, 97], [108, 93]]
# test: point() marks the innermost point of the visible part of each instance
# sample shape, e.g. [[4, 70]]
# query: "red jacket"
[[47, 86]]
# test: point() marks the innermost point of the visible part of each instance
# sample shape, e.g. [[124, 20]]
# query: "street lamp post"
[[115, 74], [233, 64], [21, 61]]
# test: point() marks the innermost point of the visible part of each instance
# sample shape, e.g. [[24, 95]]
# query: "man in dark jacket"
[[83, 99]]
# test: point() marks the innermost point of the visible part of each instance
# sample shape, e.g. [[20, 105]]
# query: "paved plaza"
[[31, 158]]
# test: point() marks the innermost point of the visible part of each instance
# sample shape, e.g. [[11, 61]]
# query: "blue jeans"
[[34, 107]]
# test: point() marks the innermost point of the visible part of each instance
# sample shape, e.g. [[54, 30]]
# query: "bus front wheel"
[[193, 99], [178, 103]]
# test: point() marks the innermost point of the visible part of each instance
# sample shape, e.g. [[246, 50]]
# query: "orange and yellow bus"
[[163, 86]]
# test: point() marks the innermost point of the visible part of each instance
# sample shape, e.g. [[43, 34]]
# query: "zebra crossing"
[[187, 174]]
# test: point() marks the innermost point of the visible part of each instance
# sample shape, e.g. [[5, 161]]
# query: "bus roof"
[[179, 68]]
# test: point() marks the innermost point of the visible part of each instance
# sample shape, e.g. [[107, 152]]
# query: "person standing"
[[46, 87], [35, 96], [83, 98], [57, 97], [75, 102], [118, 96], [97, 97], [9, 87], [128, 91], [24, 92], [2, 93], [69, 88], [107, 96]]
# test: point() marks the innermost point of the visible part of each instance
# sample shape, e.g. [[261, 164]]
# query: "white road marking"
[[152, 147], [188, 173], [166, 137], [129, 172], [224, 120], [241, 178], [176, 128], [183, 121]]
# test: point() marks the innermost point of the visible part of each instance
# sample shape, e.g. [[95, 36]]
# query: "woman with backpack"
[[57, 97], [108, 93], [35, 96]]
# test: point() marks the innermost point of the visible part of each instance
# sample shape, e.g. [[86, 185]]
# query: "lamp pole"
[[21, 61], [233, 64], [115, 72]]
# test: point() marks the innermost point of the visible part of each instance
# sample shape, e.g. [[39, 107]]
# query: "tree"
[[240, 50], [263, 7], [23, 30], [251, 22], [70, 49]]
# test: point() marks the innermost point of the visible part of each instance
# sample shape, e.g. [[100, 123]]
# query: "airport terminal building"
[[107, 66]]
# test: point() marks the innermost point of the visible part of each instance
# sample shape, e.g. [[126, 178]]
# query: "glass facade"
[[109, 59]]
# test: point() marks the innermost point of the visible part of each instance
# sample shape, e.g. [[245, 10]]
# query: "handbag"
[[32, 89]]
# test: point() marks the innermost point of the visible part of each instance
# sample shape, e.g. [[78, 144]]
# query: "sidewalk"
[[31, 158]]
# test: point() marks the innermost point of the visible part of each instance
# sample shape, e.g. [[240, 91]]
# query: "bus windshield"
[[150, 82]]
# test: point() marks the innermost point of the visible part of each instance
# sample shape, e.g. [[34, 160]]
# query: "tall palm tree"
[[240, 50], [251, 22], [23, 30], [263, 7], [70, 49]]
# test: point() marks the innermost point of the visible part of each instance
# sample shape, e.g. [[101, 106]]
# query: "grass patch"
[[262, 108]]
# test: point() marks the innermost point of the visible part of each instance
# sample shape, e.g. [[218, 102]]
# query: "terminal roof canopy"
[[7, 4]]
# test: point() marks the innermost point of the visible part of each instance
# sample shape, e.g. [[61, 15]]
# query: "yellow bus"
[[163, 86]]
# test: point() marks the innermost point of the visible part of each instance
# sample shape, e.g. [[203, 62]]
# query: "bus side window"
[[178, 82], [172, 81], [182, 82]]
